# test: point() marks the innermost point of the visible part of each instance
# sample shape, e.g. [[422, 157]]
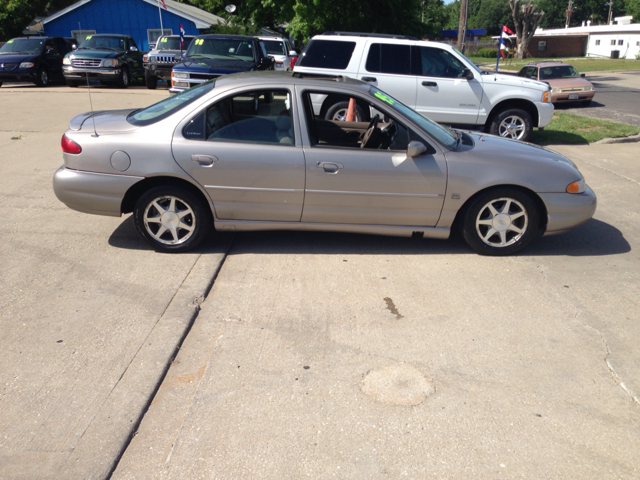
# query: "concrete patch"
[[397, 385]]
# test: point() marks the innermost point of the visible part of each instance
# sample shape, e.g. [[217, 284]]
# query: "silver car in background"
[[245, 152]]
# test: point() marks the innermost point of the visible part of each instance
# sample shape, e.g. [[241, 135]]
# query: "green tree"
[[15, 16], [632, 7], [491, 14]]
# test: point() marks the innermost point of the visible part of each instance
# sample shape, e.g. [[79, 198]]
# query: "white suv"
[[280, 49], [433, 78]]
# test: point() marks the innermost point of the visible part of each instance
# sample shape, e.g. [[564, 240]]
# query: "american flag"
[[162, 1]]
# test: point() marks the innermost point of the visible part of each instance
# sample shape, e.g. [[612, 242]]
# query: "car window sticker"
[[384, 98]]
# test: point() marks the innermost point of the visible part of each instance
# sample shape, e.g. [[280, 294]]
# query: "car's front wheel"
[[150, 80], [512, 123], [171, 219], [42, 78], [500, 221], [123, 79]]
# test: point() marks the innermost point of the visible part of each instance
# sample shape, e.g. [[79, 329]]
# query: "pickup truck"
[[111, 59], [159, 61], [210, 56]]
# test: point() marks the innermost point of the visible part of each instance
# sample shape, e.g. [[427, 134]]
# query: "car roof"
[[270, 37], [228, 37], [545, 64], [290, 78]]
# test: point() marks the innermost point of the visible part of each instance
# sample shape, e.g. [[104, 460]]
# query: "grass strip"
[[580, 64], [570, 129]]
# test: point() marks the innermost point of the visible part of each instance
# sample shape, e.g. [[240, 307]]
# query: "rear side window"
[[389, 58], [332, 54]]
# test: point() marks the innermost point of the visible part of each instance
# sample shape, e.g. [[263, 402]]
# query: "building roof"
[[201, 18], [591, 29]]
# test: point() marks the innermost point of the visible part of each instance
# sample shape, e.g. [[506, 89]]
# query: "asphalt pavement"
[[323, 355]]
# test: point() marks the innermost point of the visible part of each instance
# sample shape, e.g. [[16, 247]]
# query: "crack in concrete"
[[612, 172], [612, 371]]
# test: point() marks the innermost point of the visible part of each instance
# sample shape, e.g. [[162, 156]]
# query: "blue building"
[[138, 18]]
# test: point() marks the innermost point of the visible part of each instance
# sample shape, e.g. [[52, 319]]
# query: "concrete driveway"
[[313, 355]]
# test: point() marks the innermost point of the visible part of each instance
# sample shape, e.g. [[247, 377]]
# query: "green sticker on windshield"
[[10, 41], [164, 40], [200, 41], [88, 38], [384, 98]]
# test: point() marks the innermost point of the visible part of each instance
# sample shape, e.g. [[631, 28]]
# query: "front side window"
[[274, 47], [437, 62], [255, 116], [389, 58], [333, 54]]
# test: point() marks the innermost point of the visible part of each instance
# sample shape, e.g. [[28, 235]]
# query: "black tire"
[[181, 233], [151, 81], [124, 79], [0, 84], [512, 123], [508, 231], [338, 112], [42, 78], [585, 103], [72, 83]]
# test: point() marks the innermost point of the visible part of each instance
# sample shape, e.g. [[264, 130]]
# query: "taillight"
[[293, 61], [69, 146]]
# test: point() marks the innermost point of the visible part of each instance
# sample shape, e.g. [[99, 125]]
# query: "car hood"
[[104, 122], [215, 65], [95, 53], [17, 57], [568, 82], [512, 151], [514, 81]]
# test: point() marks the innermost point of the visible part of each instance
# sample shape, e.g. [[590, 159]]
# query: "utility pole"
[[610, 3], [462, 24], [567, 13]]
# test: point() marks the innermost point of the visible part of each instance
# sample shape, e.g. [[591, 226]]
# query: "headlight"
[[26, 65], [556, 90], [111, 62], [588, 89], [66, 61], [181, 75], [577, 187]]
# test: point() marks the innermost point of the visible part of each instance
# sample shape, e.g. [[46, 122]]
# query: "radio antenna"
[[95, 132]]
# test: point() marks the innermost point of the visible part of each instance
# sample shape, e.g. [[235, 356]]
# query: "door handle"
[[330, 167], [204, 160], [369, 79], [429, 84]]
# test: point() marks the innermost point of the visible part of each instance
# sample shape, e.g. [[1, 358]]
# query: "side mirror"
[[74, 47], [582, 75], [293, 53], [468, 74], [415, 149], [133, 49]]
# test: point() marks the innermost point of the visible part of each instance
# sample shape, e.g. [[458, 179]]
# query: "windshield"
[[563, 71], [274, 47], [168, 106], [444, 135], [172, 43], [221, 48], [477, 69], [23, 45], [103, 43]]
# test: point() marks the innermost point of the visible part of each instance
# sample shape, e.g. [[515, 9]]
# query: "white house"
[[622, 37]]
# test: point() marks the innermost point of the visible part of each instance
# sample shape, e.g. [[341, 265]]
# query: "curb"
[[629, 139]]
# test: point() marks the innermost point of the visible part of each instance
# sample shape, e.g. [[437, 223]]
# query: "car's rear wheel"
[[124, 79], [338, 112], [42, 78], [500, 221], [150, 80], [171, 219], [512, 123]]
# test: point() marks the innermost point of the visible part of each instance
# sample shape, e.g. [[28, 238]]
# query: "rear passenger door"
[[244, 150], [388, 67]]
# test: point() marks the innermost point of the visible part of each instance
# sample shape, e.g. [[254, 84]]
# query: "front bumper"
[[566, 210], [88, 192], [563, 97], [94, 73], [159, 70], [545, 113], [19, 75]]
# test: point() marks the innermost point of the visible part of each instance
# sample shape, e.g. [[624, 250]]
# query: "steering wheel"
[[373, 124], [389, 134]]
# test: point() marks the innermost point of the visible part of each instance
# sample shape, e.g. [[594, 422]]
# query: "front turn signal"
[[545, 97], [576, 187]]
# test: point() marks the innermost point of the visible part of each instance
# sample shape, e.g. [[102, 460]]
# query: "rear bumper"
[[566, 210], [96, 193]]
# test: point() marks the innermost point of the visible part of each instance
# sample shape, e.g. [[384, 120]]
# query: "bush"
[[488, 52]]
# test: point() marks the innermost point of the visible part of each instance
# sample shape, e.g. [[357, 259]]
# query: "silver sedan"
[[247, 152]]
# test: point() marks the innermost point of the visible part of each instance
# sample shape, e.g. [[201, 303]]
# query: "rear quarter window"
[[333, 54]]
